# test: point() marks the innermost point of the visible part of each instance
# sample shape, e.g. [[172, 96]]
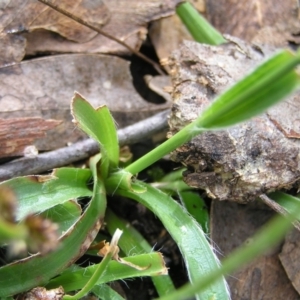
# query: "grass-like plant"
[[269, 83], [52, 197]]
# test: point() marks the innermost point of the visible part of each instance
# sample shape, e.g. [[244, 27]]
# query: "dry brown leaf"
[[31, 15], [263, 278], [12, 48], [49, 31], [17, 134], [19, 16], [244, 161], [264, 22], [44, 88], [290, 257]]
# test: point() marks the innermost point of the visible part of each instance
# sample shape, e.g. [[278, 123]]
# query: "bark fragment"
[[242, 162]]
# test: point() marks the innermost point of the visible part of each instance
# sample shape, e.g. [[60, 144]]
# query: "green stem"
[[132, 239], [101, 268], [181, 137], [266, 85]]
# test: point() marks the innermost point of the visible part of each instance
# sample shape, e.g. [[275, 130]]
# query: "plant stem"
[[168, 146], [110, 252], [93, 280], [132, 239]]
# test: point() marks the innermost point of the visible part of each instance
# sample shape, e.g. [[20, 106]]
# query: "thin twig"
[[91, 26], [82, 150]]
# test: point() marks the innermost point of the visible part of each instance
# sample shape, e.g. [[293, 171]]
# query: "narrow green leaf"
[[266, 238], [36, 194], [196, 206], [197, 253], [99, 272], [171, 187], [198, 27], [37, 270], [269, 83], [172, 183], [120, 179], [98, 124], [173, 176], [72, 281]]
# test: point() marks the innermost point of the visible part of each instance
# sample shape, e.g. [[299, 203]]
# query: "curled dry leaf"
[[244, 161], [12, 48], [43, 88], [128, 22]]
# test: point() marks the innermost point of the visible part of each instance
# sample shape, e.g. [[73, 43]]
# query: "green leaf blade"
[[265, 86], [98, 124], [115, 271], [266, 238], [36, 194], [197, 253], [70, 211], [37, 269], [198, 27], [196, 206]]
